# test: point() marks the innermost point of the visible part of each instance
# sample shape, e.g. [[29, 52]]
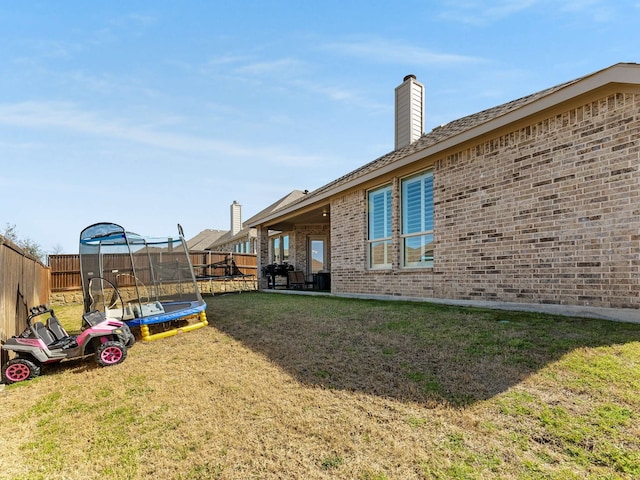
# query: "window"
[[275, 245], [379, 238], [285, 248], [317, 258], [280, 249], [417, 220], [243, 247]]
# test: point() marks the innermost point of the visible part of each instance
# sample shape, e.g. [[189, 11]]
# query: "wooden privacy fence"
[[24, 283], [65, 269]]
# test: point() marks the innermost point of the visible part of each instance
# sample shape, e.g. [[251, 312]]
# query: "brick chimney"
[[409, 111], [236, 217]]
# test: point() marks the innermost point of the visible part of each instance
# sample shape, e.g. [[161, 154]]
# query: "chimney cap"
[[407, 77]]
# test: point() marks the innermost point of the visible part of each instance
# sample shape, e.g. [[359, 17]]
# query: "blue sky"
[[151, 113]]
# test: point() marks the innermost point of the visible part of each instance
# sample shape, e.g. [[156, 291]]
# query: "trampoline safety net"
[[141, 280]]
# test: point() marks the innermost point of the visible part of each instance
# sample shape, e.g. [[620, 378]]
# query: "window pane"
[[285, 248], [387, 220], [418, 251], [380, 254], [417, 220], [377, 216], [417, 204], [276, 250], [380, 213], [412, 197], [317, 255], [428, 203]]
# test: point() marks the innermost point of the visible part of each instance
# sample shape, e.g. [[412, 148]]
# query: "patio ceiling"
[[318, 215]]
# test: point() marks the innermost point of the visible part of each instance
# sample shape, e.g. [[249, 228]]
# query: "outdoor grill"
[[274, 270]]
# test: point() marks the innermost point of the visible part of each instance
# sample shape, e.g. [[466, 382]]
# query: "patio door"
[[317, 254]]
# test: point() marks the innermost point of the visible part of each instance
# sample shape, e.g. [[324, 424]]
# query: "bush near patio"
[[284, 386]]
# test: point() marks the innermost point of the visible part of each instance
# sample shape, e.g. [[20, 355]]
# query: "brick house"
[[241, 238], [533, 204]]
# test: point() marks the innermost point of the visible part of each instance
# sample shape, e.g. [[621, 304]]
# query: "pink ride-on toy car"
[[46, 343]]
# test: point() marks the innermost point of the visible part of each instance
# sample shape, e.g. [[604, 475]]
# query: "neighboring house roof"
[[464, 129], [290, 198], [203, 239], [226, 237]]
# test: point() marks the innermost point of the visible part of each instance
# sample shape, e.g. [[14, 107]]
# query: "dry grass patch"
[[284, 386]]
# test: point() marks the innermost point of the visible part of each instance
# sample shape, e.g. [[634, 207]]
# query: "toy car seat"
[[54, 326], [41, 331]]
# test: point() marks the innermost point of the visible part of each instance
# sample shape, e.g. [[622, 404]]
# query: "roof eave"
[[621, 73]]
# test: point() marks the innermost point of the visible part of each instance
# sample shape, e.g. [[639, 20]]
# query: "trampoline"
[[144, 281]]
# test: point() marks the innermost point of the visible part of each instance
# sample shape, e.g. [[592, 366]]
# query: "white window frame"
[[386, 238], [425, 219], [310, 240], [280, 253]]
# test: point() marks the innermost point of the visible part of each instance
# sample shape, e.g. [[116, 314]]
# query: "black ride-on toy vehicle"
[[44, 343]]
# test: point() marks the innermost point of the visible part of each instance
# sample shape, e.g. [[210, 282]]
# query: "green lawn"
[[287, 386]]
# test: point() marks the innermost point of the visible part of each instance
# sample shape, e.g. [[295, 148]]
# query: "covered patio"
[[294, 245]]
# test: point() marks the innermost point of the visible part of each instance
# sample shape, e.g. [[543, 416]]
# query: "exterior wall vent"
[[409, 111]]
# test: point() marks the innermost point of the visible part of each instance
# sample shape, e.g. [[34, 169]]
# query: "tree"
[[29, 246], [10, 233]]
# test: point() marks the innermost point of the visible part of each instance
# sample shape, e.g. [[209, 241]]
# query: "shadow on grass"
[[76, 366], [432, 354]]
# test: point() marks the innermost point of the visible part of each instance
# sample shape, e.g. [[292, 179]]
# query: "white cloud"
[[598, 10], [388, 51], [479, 12], [104, 84], [228, 60], [291, 72], [132, 22], [482, 13], [67, 117], [340, 94], [283, 66]]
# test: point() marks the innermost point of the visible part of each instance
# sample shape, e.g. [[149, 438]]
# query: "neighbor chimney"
[[409, 111], [236, 217]]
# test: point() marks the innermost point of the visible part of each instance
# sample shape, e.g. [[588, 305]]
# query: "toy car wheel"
[[18, 370], [110, 353], [128, 338]]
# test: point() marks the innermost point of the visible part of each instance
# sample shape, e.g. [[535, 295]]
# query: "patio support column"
[[262, 249]]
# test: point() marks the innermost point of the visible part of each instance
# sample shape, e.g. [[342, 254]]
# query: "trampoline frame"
[[108, 252]]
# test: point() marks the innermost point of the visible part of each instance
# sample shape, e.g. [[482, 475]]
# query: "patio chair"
[[297, 280]]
